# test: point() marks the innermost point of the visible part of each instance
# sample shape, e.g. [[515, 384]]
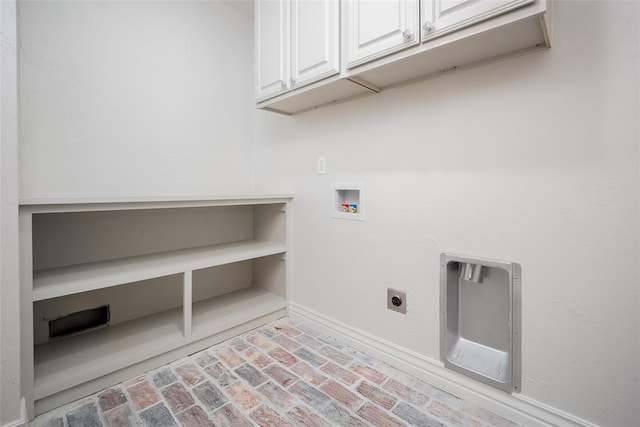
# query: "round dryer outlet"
[[397, 300]]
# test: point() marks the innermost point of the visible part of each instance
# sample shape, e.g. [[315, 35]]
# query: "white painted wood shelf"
[[88, 203], [176, 275], [221, 313], [62, 364], [61, 281]]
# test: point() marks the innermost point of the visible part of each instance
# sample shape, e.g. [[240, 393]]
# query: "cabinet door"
[[314, 40], [443, 16], [272, 47], [379, 27]]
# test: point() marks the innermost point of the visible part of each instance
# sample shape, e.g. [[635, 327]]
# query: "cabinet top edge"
[[130, 202]]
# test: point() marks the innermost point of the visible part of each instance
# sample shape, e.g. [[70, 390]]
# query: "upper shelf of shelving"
[[79, 203], [61, 281]]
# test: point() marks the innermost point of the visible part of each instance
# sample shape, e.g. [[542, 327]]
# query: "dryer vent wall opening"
[[79, 321], [480, 318]]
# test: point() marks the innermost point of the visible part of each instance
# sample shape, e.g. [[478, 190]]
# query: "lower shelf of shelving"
[[60, 365]]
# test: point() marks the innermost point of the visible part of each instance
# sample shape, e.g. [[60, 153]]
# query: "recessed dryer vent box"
[[480, 318]]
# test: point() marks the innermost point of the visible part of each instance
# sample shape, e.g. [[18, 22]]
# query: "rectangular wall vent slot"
[[79, 321]]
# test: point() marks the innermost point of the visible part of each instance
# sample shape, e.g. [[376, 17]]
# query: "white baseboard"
[[22, 422], [515, 407]]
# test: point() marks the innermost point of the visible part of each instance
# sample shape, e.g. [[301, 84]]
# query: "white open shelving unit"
[[178, 275]]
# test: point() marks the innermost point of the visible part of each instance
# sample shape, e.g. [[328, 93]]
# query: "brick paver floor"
[[283, 374]]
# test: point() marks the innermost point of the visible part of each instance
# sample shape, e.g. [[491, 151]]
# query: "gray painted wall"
[[532, 160], [135, 97], [9, 293]]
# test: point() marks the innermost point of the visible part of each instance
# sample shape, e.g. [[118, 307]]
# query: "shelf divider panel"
[[187, 302]]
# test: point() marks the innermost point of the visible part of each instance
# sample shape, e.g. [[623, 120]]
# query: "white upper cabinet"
[[272, 47], [376, 28], [315, 53], [297, 42], [315, 40], [443, 16]]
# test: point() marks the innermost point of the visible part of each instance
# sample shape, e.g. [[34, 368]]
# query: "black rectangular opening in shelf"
[[79, 321]]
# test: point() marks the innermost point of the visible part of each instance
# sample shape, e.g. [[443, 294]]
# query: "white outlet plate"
[[322, 165]]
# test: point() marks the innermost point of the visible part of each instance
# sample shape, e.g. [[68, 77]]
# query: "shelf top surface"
[[47, 203], [61, 281]]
